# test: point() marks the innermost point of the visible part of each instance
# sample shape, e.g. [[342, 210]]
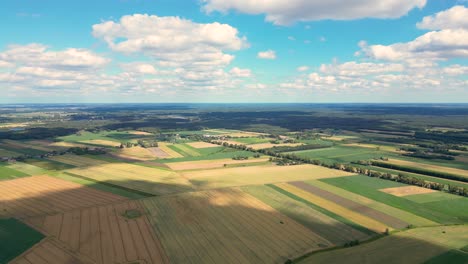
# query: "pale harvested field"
[[358, 218], [68, 145], [105, 235], [231, 142], [210, 164], [270, 145], [187, 150], [227, 226], [76, 160], [202, 144], [429, 167], [406, 190], [172, 153], [256, 175], [50, 251], [159, 153], [136, 153], [142, 133], [39, 195], [338, 138], [140, 178], [412, 246], [235, 133], [102, 142]]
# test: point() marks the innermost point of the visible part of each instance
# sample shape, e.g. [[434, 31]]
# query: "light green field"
[[432, 197], [185, 150], [27, 168], [252, 140], [412, 246], [9, 173], [341, 154], [256, 175]]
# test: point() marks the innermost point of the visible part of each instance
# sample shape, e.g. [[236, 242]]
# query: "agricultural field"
[[116, 233], [340, 154], [428, 167], [134, 177], [201, 145], [212, 164], [76, 160], [271, 145], [9, 173], [419, 245], [39, 195], [15, 238], [255, 175], [209, 227], [136, 153]]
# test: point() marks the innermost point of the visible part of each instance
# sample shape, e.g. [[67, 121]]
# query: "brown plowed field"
[[104, 234], [50, 251], [40, 195], [356, 207]]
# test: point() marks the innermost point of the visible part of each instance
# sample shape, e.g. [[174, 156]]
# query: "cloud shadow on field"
[[207, 226]]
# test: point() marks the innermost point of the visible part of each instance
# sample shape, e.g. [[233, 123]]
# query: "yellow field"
[[406, 190], [335, 208], [145, 179], [270, 145], [164, 147], [227, 226], [68, 145], [235, 133], [210, 164], [142, 133], [412, 246], [255, 175], [137, 153], [77, 160], [102, 142], [338, 138], [429, 167], [202, 144]]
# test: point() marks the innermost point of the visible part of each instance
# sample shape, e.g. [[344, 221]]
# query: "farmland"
[[134, 187]]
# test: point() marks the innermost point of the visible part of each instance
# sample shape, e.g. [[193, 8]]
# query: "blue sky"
[[234, 51]]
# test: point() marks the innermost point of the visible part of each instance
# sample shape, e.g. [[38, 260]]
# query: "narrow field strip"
[[210, 164], [396, 212], [165, 147], [353, 206], [75, 160], [324, 225], [369, 223]]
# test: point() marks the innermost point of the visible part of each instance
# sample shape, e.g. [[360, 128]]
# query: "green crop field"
[[445, 212], [216, 154], [7, 173], [48, 164], [251, 140], [15, 238], [27, 168], [340, 154]]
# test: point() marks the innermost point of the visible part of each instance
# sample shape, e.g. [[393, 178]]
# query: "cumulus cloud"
[[302, 68], [353, 68], [268, 55], [286, 12], [453, 18], [238, 72], [172, 41], [449, 40]]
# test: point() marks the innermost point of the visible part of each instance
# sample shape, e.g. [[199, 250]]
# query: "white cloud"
[[282, 12], [268, 54], [39, 55], [172, 41], [238, 72], [139, 68], [291, 38], [456, 69], [453, 18], [353, 68], [302, 68], [450, 41], [322, 39]]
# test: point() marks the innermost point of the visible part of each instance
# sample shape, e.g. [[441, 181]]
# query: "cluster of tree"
[[426, 155], [37, 133], [86, 150], [447, 137], [127, 145], [240, 158], [147, 143], [438, 174], [351, 243], [284, 161]]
